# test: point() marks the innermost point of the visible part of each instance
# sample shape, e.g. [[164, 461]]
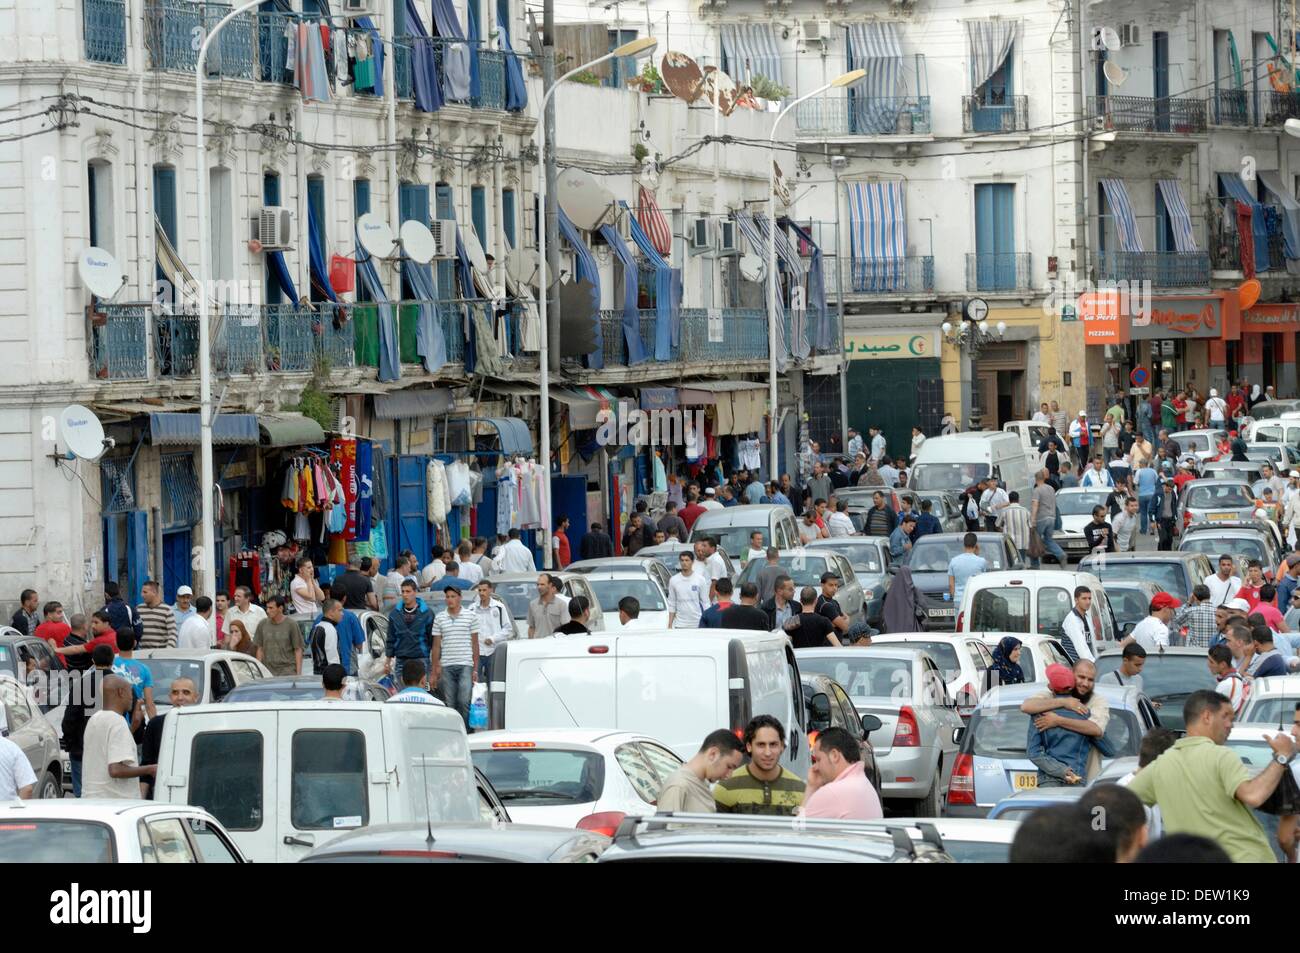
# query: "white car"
[[1036, 652], [109, 831], [1075, 504], [968, 840], [964, 660], [574, 777], [517, 590], [214, 671], [1272, 701], [612, 584]]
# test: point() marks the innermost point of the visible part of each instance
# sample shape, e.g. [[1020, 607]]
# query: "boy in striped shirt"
[[455, 653]]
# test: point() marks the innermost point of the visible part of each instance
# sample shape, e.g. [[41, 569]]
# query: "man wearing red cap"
[[1083, 700], [1153, 631], [1061, 755]]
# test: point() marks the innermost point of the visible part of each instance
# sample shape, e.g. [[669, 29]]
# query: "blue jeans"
[[1044, 528], [76, 776], [1149, 507], [485, 668], [455, 687]]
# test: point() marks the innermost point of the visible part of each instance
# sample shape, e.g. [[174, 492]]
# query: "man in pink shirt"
[[838, 786]]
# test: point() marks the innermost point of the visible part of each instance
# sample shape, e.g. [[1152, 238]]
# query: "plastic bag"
[[478, 710], [458, 483]]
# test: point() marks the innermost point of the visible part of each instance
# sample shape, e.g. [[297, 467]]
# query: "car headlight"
[[868, 594]]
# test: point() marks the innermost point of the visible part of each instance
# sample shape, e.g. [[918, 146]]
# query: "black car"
[[1168, 677], [839, 712], [1175, 573], [929, 560]]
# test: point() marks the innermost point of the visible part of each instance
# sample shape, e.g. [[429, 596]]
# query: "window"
[[99, 190], [226, 777], [221, 224], [317, 223], [14, 698], [638, 772], [540, 776], [621, 68], [478, 214], [664, 762], [56, 842], [212, 846], [508, 216], [1001, 609], [170, 845], [361, 206], [1053, 606], [328, 780]]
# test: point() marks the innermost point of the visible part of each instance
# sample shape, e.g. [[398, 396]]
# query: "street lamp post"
[[846, 79], [207, 476], [636, 48]]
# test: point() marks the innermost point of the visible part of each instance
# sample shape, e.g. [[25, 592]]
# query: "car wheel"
[[928, 806], [48, 787]]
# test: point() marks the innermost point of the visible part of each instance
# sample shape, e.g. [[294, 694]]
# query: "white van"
[[1031, 434], [1284, 429], [676, 685], [953, 462], [1034, 601], [285, 777], [733, 525]]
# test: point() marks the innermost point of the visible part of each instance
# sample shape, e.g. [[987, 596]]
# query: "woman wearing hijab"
[[1006, 668]]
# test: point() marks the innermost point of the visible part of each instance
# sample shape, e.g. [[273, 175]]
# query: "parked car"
[[943, 506], [473, 843], [32, 662], [517, 590], [918, 736], [1272, 409], [1254, 539], [1272, 701], [967, 840], [610, 584], [374, 624], [733, 525], [1130, 601], [838, 711], [1283, 456], [575, 778], [1075, 504], [1017, 806], [710, 838], [964, 660], [667, 555], [1031, 434], [1283, 429], [993, 763], [286, 688], [26, 726], [648, 564], [215, 672], [1250, 743], [929, 560], [1168, 677], [1216, 499], [869, 557], [1036, 652], [1202, 444], [1175, 573], [1242, 471], [1034, 600], [77, 831], [806, 566]]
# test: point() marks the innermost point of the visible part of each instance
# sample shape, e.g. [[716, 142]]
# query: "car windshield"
[[1225, 496], [610, 591], [864, 675], [541, 776], [976, 851], [1003, 733], [804, 570], [1080, 504], [1193, 442], [944, 652], [55, 842], [1169, 576], [1212, 544], [734, 540], [1264, 453], [1165, 675], [946, 476], [1128, 605], [932, 554], [167, 670], [1274, 710], [862, 556], [516, 595]]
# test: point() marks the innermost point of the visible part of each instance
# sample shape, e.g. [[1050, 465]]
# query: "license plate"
[[941, 613], [1222, 516], [1076, 544], [1024, 780]]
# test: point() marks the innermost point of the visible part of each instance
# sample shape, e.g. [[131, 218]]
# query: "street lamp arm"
[[220, 25]]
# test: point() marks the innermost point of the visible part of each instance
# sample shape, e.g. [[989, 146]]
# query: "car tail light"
[[961, 617], [598, 650], [967, 698], [514, 744], [906, 732], [602, 822], [961, 786]]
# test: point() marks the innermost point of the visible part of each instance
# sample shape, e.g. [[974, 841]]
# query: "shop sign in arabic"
[[889, 346]]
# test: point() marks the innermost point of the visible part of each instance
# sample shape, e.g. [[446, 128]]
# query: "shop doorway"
[[176, 566], [1271, 353]]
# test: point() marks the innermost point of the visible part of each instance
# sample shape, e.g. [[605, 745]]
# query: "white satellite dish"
[[751, 267], [1292, 127], [584, 199], [82, 432], [474, 250], [376, 236], [1115, 74], [99, 272], [1109, 38], [524, 267], [417, 241]]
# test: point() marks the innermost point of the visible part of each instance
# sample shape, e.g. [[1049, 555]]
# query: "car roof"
[[1117, 651], [187, 654], [738, 515], [993, 638], [91, 809], [1255, 731], [1214, 481], [281, 680], [1146, 556], [830, 651], [1276, 685], [958, 537], [1002, 696], [1043, 577], [532, 576], [904, 638], [525, 841], [609, 562], [1045, 795], [1143, 585], [584, 737], [1080, 490]]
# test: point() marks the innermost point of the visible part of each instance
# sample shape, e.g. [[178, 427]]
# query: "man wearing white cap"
[[710, 501], [1224, 584], [183, 609], [1216, 409]]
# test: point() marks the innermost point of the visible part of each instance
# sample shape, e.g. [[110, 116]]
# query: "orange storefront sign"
[[1271, 318], [1112, 316], [1104, 317]]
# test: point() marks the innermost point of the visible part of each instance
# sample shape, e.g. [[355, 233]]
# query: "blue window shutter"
[[478, 209], [445, 207], [1103, 217], [984, 220], [164, 199], [1004, 218], [137, 555], [508, 216], [316, 196], [412, 203], [361, 196]]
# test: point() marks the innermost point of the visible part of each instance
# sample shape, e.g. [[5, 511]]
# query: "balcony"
[[492, 71], [831, 116], [1162, 269], [1225, 250], [1147, 114], [997, 272], [1276, 108], [171, 29], [117, 346], [900, 276], [735, 334], [104, 25], [1228, 107], [1009, 116]]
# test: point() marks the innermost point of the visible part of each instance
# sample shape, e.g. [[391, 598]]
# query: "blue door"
[[410, 529], [412, 204], [995, 237], [1160, 78], [478, 213], [316, 206], [177, 569], [1166, 264], [137, 555]]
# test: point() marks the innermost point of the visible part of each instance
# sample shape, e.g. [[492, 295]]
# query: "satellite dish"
[[1109, 38], [682, 76], [1115, 74], [524, 267], [474, 249], [584, 199], [375, 236], [751, 267], [417, 241], [99, 272], [1292, 127], [82, 432], [721, 90]]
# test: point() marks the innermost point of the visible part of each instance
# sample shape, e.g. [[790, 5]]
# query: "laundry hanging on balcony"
[[425, 88], [585, 268], [749, 50], [820, 328], [320, 276], [758, 245], [668, 292], [1290, 219], [430, 342], [874, 103], [306, 51], [460, 60], [1179, 215], [516, 88], [631, 314], [788, 257], [367, 58], [390, 360], [280, 272], [1121, 211], [1236, 190], [877, 236], [653, 222]]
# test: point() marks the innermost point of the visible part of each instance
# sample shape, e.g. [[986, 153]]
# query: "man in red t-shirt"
[[692, 510], [560, 544], [1236, 403], [1253, 583], [101, 633], [54, 629]]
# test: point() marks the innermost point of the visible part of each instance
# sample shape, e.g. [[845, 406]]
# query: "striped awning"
[[749, 228], [877, 235], [1272, 182], [653, 222], [794, 266], [875, 47], [785, 250], [167, 429], [751, 50], [1121, 210], [1179, 215], [988, 42]]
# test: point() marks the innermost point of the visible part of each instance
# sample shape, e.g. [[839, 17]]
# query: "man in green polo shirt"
[[763, 786], [1204, 788]]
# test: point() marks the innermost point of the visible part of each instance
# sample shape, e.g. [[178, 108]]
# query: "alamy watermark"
[[653, 428]]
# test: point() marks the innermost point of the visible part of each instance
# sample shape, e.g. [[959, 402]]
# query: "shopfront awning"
[[585, 404], [706, 392], [515, 438], [182, 430], [289, 430], [413, 403], [658, 398], [738, 406]]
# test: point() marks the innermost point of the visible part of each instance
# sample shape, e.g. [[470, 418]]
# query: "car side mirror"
[[819, 712], [870, 723], [958, 734], [1127, 629]]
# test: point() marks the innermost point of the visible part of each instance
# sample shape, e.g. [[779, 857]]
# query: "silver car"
[[806, 566], [1075, 505], [920, 727], [518, 589], [1202, 444], [1215, 500], [667, 553], [29, 730], [869, 557]]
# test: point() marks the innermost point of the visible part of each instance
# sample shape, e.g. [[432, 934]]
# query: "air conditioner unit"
[[727, 244], [359, 8], [275, 228], [1130, 35], [699, 233], [816, 31], [444, 237]]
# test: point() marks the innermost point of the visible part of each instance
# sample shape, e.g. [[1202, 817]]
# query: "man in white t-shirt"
[[756, 548], [1216, 409], [197, 630], [710, 501], [839, 524], [1224, 584], [1153, 631], [469, 570], [688, 594], [1076, 629], [17, 779], [708, 559], [306, 593], [110, 765], [437, 567], [494, 625], [515, 556]]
